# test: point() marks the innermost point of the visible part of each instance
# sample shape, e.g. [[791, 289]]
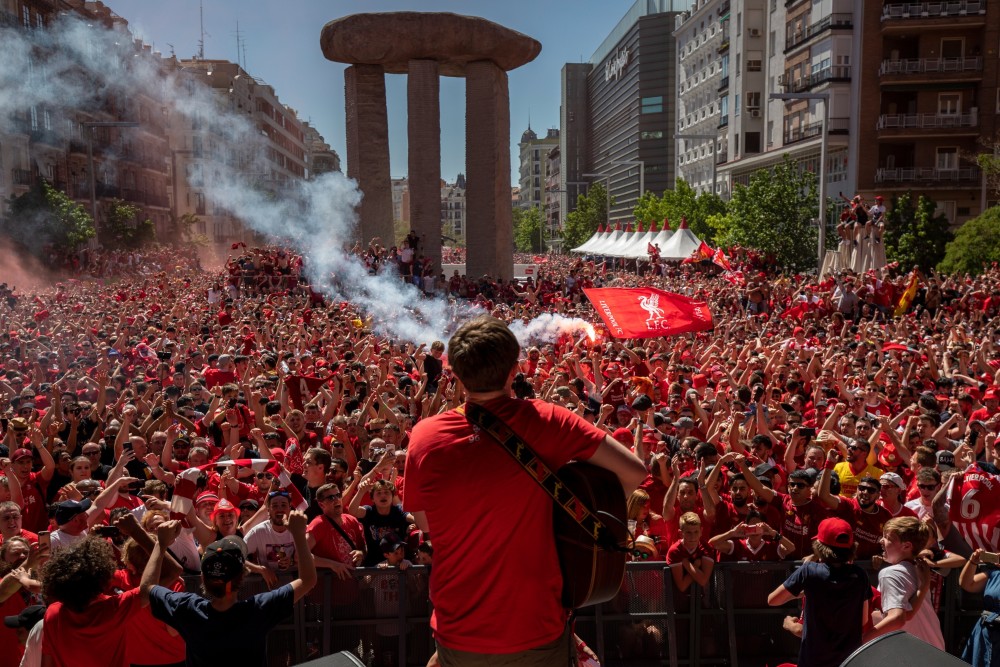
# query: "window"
[[953, 47], [655, 134], [752, 142], [753, 100], [736, 105], [26, 15], [652, 104], [774, 40], [754, 61], [947, 158], [34, 118], [949, 103]]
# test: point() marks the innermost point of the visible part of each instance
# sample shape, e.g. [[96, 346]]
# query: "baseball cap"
[[250, 504], [390, 543], [19, 454], [206, 496], [642, 403], [889, 457], [224, 558], [68, 509], [684, 422], [836, 533], [762, 469], [893, 478], [624, 408], [945, 460], [223, 506], [27, 619]]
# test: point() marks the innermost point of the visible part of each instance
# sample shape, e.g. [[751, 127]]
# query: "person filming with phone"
[[492, 522]]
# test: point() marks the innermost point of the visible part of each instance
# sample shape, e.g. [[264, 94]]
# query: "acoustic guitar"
[[589, 517]]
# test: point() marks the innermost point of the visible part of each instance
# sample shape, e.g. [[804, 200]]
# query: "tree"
[[914, 236], [681, 202], [43, 217], [773, 214], [976, 245], [591, 211], [990, 164], [528, 229], [123, 229]]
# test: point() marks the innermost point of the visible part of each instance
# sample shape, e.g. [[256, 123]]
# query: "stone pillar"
[[489, 228], [368, 150], [424, 156]]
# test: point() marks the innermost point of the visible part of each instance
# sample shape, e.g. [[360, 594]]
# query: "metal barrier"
[[383, 617]]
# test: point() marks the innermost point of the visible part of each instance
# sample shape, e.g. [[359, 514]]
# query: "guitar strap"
[[525, 457]]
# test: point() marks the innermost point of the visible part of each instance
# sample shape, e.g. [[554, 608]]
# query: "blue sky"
[[282, 48]]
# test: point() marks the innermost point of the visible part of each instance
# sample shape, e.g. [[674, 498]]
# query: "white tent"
[[682, 243], [663, 237], [607, 242], [598, 236], [610, 248], [638, 249]]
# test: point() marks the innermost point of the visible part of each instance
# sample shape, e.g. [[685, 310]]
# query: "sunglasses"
[[927, 487], [867, 489], [797, 485], [332, 496], [639, 555], [265, 475], [275, 494]]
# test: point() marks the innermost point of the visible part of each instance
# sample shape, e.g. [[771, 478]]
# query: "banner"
[[908, 295], [720, 260], [975, 508], [647, 312]]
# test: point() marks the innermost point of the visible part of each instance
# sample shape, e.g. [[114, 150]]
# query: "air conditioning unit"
[[755, 32], [755, 113]]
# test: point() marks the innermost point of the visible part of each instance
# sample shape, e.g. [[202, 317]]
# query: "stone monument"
[[424, 46]]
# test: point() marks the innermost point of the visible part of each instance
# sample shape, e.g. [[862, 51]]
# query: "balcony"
[[908, 16], [721, 157], [832, 74], [20, 176], [724, 121], [724, 8], [107, 190], [910, 70], [724, 45], [724, 84], [831, 22], [898, 125], [159, 201], [77, 146], [928, 177], [804, 132]]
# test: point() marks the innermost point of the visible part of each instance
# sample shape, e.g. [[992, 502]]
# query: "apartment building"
[[930, 95], [320, 157], [453, 210], [533, 169]]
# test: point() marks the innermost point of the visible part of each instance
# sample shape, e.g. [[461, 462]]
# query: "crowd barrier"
[[383, 617]]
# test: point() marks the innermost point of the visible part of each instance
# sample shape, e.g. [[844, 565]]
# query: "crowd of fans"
[[810, 399]]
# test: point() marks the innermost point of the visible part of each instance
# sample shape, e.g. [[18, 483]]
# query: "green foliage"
[[123, 229], [976, 245], [528, 229], [990, 164], [914, 236], [773, 214], [44, 216], [591, 211], [681, 202]]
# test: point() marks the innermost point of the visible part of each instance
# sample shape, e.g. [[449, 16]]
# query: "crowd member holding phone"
[[981, 575]]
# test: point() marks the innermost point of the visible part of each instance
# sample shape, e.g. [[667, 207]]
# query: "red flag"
[[975, 507], [720, 259], [604, 268], [796, 312], [705, 251], [300, 386], [647, 312]]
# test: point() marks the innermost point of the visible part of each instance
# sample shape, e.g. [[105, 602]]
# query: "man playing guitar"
[[496, 583]]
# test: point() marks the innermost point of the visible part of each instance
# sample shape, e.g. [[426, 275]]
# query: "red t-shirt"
[[26, 534], [330, 543], [679, 552], [768, 551], [151, 641], [867, 527], [12, 649], [213, 377], [34, 515], [96, 637], [800, 522], [496, 583]]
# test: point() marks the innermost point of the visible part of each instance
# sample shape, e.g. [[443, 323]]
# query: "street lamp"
[[705, 137], [90, 164], [825, 99]]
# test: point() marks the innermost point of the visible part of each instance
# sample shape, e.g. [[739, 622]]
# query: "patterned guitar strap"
[[521, 452]]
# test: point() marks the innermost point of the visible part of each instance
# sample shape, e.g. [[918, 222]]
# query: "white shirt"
[[61, 540], [898, 584], [33, 647], [268, 545]]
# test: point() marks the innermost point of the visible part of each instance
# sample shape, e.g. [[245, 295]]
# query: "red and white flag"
[[720, 260], [975, 507], [647, 312], [186, 484]]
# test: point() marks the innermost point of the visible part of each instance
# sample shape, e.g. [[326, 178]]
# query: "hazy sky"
[[282, 48]]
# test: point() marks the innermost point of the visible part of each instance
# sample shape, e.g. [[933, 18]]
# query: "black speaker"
[[342, 659], [900, 648]]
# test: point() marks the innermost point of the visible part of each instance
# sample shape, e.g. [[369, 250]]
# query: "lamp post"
[[705, 137], [825, 99], [90, 165]]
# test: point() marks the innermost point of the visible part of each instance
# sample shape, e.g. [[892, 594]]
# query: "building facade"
[[533, 171], [320, 158], [453, 210], [619, 110]]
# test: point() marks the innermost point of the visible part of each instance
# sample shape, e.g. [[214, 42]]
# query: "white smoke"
[[71, 68], [549, 327]]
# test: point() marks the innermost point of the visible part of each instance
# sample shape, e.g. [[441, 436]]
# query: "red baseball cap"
[[19, 454], [207, 496], [836, 533]]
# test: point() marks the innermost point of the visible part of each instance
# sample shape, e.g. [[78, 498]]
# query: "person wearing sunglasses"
[[862, 511], [928, 484], [336, 538], [856, 464]]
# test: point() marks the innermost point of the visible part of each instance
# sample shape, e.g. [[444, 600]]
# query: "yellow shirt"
[[849, 480]]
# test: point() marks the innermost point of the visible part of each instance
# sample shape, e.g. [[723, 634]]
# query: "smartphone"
[[756, 529], [366, 466], [44, 540], [985, 557], [807, 432]]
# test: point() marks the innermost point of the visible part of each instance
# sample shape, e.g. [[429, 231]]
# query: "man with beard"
[[270, 543], [336, 540], [733, 508], [862, 512]]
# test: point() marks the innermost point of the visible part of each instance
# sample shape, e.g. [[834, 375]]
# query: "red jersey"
[[678, 552], [495, 554], [101, 628], [766, 551], [799, 522], [213, 377], [34, 514], [330, 543], [867, 526]]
